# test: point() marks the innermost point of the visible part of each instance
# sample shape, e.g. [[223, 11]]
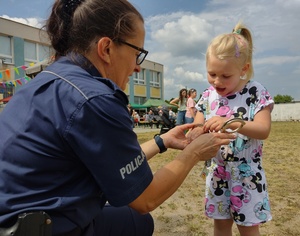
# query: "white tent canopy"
[[38, 67]]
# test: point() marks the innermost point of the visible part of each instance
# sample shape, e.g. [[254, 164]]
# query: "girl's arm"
[[192, 112], [260, 127], [196, 130], [175, 102], [199, 118]]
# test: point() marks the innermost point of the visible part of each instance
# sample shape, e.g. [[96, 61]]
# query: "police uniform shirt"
[[67, 146]]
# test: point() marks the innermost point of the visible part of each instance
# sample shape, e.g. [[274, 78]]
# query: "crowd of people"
[[182, 110]]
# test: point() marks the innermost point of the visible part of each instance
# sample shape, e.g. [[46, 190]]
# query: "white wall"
[[286, 112]]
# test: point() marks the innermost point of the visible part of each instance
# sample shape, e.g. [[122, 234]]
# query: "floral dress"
[[236, 184]]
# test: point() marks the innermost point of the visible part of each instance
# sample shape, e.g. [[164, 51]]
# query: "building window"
[[30, 53], [35, 52], [139, 100], [155, 78], [44, 52], [6, 49], [139, 77]]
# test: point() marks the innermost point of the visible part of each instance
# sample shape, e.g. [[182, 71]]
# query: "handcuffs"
[[224, 129]]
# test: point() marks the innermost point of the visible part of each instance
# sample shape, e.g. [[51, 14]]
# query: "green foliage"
[[283, 98]]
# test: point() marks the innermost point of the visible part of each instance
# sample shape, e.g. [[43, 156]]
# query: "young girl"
[[180, 102], [236, 187], [190, 106]]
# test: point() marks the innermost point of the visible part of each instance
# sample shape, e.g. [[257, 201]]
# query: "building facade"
[[23, 47], [147, 84]]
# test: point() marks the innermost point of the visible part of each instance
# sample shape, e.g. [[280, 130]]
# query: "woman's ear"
[[103, 49]]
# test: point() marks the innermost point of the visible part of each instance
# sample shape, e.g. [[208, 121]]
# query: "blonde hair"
[[237, 45]]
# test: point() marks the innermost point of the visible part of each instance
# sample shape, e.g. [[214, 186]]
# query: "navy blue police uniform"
[[67, 147]]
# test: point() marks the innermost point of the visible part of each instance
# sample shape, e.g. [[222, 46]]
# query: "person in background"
[[145, 116], [190, 106], [236, 179], [172, 115], [136, 118], [67, 146], [130, 110], [151, 119], [180, 102]]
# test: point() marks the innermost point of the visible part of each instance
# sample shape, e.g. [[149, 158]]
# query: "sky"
[[179, 31]]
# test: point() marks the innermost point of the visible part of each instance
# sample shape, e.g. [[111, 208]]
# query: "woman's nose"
[[137, 68]]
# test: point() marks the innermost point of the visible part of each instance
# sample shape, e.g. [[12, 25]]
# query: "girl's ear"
[[245, 69], [103, 49]]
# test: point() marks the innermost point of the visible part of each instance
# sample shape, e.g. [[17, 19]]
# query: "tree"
[[283, 98]]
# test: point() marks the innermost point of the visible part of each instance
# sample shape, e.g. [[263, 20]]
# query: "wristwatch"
[[160, 143]]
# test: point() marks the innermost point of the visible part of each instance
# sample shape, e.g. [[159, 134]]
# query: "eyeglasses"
[[142, 55]]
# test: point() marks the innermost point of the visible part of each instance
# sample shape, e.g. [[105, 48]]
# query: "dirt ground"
[[183, 213]]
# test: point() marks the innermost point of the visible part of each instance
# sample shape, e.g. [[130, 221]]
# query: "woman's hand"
[[176, 138], [206, 146]]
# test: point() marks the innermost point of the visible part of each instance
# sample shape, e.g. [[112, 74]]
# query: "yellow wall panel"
[[155, 92], [140, 90]]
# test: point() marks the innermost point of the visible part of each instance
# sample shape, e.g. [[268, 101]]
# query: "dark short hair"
[[89, 21]]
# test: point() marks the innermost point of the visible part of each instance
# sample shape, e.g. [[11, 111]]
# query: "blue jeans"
[[180, 120], [132, 119], [189, 120]]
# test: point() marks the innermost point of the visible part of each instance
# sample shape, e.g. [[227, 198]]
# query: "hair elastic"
[[71, 5], [238, 31]]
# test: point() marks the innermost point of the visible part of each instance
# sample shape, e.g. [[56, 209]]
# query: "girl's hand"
[[214, 124], [196, 131]]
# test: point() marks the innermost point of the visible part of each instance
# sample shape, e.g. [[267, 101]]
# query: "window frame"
[[6, 58], [155, 81], [137, 77], [38, 55]]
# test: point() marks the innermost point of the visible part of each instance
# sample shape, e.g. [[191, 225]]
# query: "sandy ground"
[[140, 130]]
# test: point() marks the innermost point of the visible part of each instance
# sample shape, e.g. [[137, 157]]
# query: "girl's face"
[[194, 94], [224, 75], [183, 93]]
